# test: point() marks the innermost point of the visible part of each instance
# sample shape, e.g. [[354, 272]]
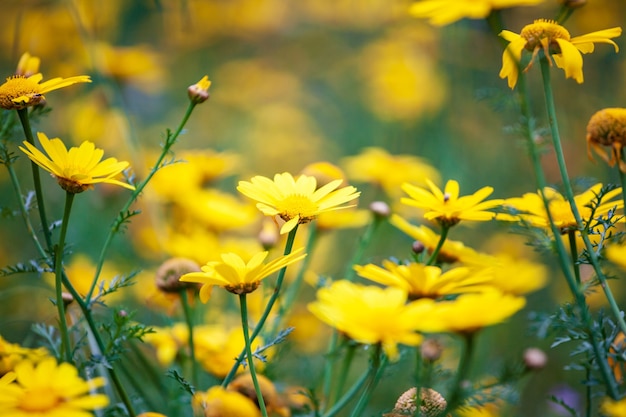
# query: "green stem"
[[58, 274], [622, 177], [192, 351], [444, 234], [573, 248], [248, 348], [372, 381], [339, 405], [569, 193], [23, 115], [345, 368], [292, 292], [169, 142], [349, 274], [456, 396], [268, 308]]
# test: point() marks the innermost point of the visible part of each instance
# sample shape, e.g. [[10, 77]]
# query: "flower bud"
[[535, 358], [607, 127], [199, 92], [380, 209]]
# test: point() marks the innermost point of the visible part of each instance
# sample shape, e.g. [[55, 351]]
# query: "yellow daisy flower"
[[237, 276], [47, 389], [533, 212], [370, 315], [612, 408], [296, 201], [446, 207], [13, 353], [554, 40], [79, 168], [421, 281], [25, 89], [471, 312], [219, 402], [444, 12]]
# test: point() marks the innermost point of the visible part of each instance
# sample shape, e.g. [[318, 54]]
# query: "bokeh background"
[[294, 82]]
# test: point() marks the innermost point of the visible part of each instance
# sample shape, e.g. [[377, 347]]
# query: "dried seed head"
[[432, 404], [607, 127], [170, 271]]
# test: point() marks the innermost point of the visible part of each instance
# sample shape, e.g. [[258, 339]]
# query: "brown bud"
[[170, 271]]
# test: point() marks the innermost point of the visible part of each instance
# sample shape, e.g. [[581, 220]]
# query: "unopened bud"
[[431, 349], [380, 209], [418, 247], [535, 358], [170, 271], [199, 92]]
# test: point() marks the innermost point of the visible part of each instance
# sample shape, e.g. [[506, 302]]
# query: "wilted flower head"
[[431, 403], [607, 127]]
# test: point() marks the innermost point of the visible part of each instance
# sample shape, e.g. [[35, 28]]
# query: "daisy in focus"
[[555, 41], [50, 389], [78, 168], [446, 207], [296, 201], [444, 12], [235, 275], [25, 89]]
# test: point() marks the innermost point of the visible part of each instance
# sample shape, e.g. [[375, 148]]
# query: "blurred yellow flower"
[[136, 64], [452, 250], [379, 167], [532, 209], [296, 201], [613, 408], [444, 12], [616, 253], [446, 207], [244, 385], [79, 168], [219, 402], [555, 41], [370, 315], [50, 389], [471, 312], [237, 276], [22, 90], [151, 414], [168, 341], [216, 346], [13, 353], [421, 281], [514, 275]]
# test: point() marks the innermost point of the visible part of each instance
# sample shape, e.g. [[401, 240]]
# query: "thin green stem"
[[465, 360], [58, 284], [268, 308], [573, 248], [248, 348], [189, 321], [25, 121], [622, 177], [569, 193], [292, 292], [442, 238], [372, 381], [170, 140], [345, 369], [339, 405]]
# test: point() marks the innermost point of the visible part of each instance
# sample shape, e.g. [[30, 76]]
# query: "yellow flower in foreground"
[[532, 210], [50, 389], [554, 40], [23, 89], [444, 12], [237, 276], [611, 408], [12, 353], [296, 201], [471, 312], [446, 207], [79, 168], [422, 281], [370, 315]]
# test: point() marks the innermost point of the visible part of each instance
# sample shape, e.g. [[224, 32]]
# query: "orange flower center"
[[40, 400], [19, 92], [607, 126], [542, 33]]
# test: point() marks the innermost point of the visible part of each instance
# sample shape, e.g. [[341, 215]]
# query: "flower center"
[[543, 33], [297, 205], [19, 86], [39, 400]]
